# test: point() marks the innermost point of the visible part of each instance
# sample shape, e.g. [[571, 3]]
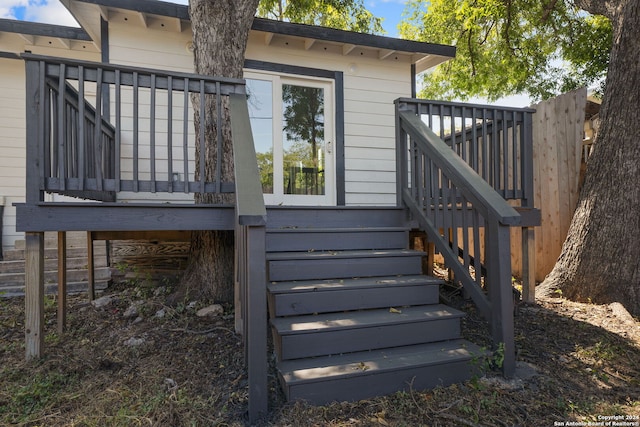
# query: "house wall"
[[12, 161], [370, 87], [12, 118]]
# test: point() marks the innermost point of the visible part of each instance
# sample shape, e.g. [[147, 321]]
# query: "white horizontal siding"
[[370, 86], [12, 147], [13, 122]]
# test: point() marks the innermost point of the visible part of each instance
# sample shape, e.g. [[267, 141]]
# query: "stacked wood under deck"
[[351, 314]]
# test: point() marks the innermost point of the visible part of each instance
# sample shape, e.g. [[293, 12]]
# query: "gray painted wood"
[[122, 217], [336, 239], [477, 191], [281, 217], [256, 335], [312, 265], [358, 376], [249, 202], [297, 298], [335, 333]]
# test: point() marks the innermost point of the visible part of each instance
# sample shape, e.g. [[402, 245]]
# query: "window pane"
[[303, 140], [261, 114]]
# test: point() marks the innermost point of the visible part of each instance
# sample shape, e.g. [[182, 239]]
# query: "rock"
[[160, 313], [192, 305], [102, 301], [210, 311], [132, 311], [134, 342]]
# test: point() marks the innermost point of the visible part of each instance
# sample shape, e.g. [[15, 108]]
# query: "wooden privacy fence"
[[558, 127]]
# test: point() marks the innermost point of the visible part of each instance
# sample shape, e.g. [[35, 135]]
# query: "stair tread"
[[278, 256], [366, 318], [355, 283], [373, 362]]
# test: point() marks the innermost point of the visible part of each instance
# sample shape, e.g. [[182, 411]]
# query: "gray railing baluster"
[[98, 132], [514, 154], [201, 139], [170, 133], [505, 155], [81, 129], [136, 154], [59, 141], [118, 137], [152, 133], [219, 141], [185, 136]]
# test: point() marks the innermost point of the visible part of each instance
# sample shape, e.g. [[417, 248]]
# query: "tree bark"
[[220, 32], [600, 258]]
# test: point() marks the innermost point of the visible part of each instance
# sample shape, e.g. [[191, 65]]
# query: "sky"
[[53, 12]]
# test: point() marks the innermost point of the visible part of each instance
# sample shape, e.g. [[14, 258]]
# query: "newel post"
[[500, 293]]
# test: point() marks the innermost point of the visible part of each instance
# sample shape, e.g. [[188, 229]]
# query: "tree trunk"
[[600, 259], [220, 32]]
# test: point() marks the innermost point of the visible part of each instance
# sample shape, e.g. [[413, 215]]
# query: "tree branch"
[[548, 10], [471, 54], [608, 8]]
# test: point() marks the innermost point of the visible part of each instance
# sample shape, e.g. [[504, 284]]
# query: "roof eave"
[[425, 55]]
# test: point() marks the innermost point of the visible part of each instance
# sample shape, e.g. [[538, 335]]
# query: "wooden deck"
[[351, 313]]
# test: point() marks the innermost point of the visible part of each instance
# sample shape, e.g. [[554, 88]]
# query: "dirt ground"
[[167, 367]]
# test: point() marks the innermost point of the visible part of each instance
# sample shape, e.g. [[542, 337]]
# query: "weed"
[[39, 392]]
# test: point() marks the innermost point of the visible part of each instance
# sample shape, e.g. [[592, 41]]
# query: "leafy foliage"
[[510, 46], [344, 14]]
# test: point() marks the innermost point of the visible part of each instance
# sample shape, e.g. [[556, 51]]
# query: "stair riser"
[[301, 241], [51, 265], [17, 279], [352, 299], [327, 268], [314, 344], [18, 254], [334, 217], [370, 385]]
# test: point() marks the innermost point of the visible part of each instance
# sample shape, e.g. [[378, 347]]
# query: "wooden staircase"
[[12, 266], [352, 316]]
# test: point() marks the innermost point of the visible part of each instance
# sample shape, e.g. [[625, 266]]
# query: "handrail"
[[249, 200], [250, 241], [453, 204], [478, 191]]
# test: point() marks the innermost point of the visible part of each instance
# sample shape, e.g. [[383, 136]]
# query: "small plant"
[[497, 361]]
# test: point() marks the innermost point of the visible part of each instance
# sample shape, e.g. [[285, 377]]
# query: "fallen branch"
[[206, 331]]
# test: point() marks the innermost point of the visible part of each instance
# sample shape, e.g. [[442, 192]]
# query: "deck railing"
[[150, 148], [149, 145], [495, 141], [466, 219]]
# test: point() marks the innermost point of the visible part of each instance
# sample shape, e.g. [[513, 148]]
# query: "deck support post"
[[501, 293], [255, 318], [62, 281], [34, 295], [528, 265]]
